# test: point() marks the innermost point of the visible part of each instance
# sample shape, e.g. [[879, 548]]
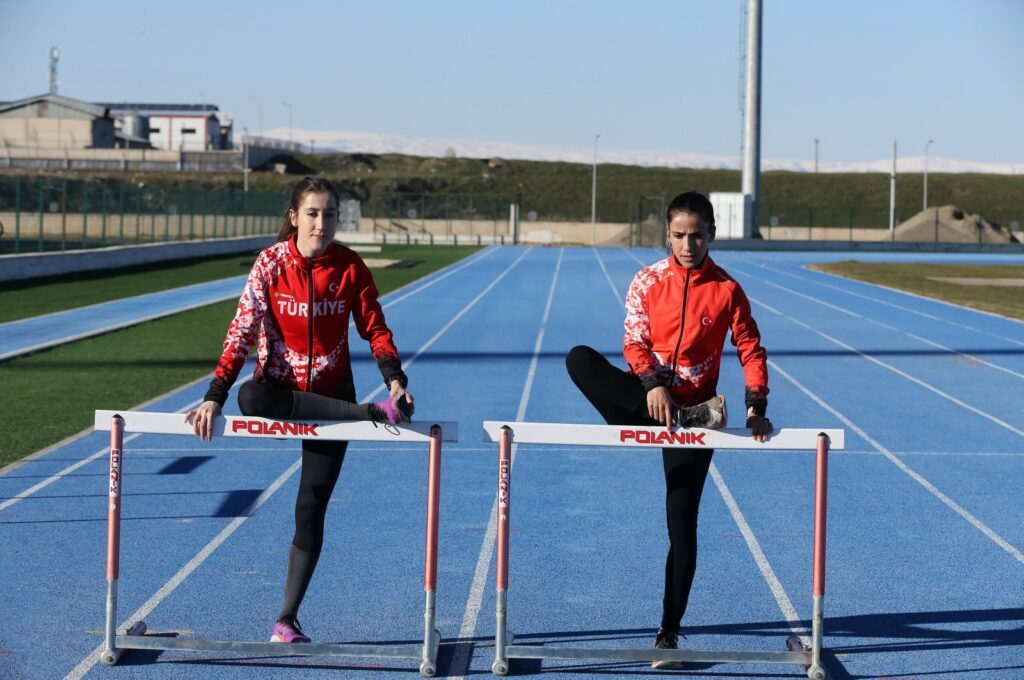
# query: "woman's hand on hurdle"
[[201, 419], [397, 390], [660, 406], [760, 427]]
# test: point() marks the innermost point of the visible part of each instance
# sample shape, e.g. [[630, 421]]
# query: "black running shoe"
[[710, 414], [666, 639]]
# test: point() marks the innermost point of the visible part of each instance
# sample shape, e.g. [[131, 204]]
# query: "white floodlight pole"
[[245, 159], [892, 191], [815, 155], [289, 107], [593, 198], [927, 144], [752, 118]]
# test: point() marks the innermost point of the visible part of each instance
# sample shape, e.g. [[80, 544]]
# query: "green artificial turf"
[[920, 279]]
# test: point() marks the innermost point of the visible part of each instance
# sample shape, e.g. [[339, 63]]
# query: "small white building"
[[177, 127]]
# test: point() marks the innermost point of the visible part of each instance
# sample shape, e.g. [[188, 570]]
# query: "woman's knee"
[[579, 360], [257, 399]]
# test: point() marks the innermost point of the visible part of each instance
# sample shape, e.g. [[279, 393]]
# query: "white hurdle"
[[432, 434], [633, 436]]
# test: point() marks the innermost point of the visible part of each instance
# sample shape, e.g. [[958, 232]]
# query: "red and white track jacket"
[[299, 308], [676, 322]]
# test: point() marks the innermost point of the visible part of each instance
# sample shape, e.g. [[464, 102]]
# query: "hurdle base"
[[650, 654], [428, 666]]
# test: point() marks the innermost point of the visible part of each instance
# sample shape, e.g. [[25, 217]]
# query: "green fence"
[[45, 214]]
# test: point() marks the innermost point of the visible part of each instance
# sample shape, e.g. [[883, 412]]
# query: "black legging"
[[621, 400], [321, 465]]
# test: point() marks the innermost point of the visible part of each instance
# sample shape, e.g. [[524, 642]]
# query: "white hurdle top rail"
[[644, 436], [150, 422]]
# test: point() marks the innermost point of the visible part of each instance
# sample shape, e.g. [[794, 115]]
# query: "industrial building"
[[51, 121], [175, 127]]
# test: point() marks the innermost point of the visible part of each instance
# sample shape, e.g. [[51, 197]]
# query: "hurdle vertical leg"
[[110, 651], [500, 665], [431, 637], [816, 671]]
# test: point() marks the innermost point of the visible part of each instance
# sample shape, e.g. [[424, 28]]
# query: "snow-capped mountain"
[[375, 142]]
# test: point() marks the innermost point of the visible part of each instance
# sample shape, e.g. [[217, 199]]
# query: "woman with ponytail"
[[297, 303]]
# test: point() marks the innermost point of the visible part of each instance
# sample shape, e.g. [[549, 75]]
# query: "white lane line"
[[63, 473], [454, 319], [74, 466], [974, 521], [909, 310], [797, 293], [451, 269], [949, 350], [902, 374], [167, 588], [774, 584], [87, 663], [460, 660], [965, 355], [607, 276], [902, 308], [938, 301]]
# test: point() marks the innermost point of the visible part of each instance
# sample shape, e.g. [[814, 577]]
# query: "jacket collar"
[[293, 249], [697, 274]]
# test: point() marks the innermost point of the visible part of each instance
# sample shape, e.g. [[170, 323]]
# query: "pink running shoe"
[[394, 410], [288, 632]]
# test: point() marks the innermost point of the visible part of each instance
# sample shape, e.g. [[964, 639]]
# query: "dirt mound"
[[950, 224]]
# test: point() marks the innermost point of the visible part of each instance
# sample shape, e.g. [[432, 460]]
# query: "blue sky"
[[658, 75]]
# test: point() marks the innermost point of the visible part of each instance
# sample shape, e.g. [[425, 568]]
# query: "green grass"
[[918, 279], [52, 394]]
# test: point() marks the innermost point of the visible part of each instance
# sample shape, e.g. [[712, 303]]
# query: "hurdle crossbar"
[[504, 433], [433, 434]]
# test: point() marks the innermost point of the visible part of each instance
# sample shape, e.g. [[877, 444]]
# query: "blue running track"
[[925, 574], [39, 332]]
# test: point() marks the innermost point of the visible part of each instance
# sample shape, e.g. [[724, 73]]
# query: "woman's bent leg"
[[259, 399], [617, 395]]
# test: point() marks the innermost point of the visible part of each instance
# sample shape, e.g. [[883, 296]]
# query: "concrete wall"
[[607, 233], [113, 227], [25, 266], [118, 159]]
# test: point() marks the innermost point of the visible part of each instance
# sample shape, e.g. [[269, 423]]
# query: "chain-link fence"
[[45, 214], [419, 216]]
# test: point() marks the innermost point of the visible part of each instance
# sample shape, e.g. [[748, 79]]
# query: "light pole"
[[927, 144], [815, 155], [245, 159], [259, 109], [289, 107], [593, 198]]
